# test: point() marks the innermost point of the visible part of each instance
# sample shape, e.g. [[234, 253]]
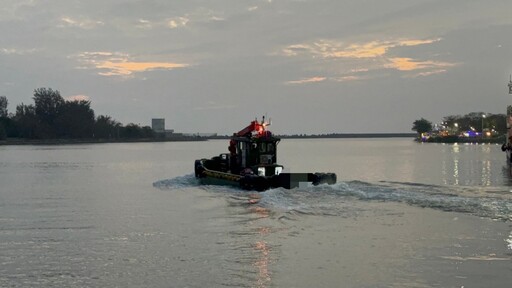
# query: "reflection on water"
[[262, 264], [486, 173], [470, 165], [509, 241], [261, 247]]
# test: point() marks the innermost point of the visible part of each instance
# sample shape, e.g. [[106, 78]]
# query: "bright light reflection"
[[261, 247], [456, 171], [486, 173], [262, 263]]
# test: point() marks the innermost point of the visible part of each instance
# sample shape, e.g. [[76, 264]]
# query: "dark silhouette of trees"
[[132, 131], [75, 120], [421, 126], [106, 128], [52, 117], [3, 117], [26, 122], [3, 106], [453, 125], [477, 121], [48, 104]]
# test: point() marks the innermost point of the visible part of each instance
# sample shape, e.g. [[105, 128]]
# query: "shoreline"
[[94, 141], [413, 137]]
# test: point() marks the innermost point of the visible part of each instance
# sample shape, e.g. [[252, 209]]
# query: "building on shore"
[[158, 126]]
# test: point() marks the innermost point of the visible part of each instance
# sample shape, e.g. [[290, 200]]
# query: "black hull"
[[260, 183]]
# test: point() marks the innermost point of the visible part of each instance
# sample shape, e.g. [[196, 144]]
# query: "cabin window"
[[270, 147], [263, 147]]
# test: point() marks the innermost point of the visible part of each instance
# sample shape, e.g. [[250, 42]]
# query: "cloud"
[[144, 24], [79, 23], [127, 68], [408, 64], [336, 49], [360, 58], [14, 51], [78, 98], [177, 22], [200, 15], [427, 73], [348, 78], [307, 80], [120, 64]]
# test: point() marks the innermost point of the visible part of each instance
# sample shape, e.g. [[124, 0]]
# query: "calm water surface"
[[132, 215]]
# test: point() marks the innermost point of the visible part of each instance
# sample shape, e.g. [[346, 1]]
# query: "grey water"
[[133, 215]]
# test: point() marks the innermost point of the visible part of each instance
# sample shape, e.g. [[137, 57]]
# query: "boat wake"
[[177, 183], [334, 200]]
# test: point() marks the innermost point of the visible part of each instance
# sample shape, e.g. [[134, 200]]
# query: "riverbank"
[[17, 141], [177, 138], [458, 139], [449, 139]]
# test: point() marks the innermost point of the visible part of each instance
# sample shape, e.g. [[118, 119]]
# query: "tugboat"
[[251, 163]]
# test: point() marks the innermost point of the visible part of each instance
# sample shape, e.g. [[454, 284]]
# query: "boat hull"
[[260, 183]]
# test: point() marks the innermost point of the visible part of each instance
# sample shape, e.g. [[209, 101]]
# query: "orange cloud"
[[334, 49], [308, 80], [408, 64], [375, 48], [348, 78], [353, 60], [367, 50], [417, 42], [119, 64], [127, 68]]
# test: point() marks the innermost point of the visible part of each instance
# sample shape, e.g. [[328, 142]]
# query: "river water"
[[403, 214]]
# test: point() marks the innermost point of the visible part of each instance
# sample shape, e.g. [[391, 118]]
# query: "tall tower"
[[158, 125]]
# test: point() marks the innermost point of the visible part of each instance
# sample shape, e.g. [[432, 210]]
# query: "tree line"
[[472, 121], [53, 117]]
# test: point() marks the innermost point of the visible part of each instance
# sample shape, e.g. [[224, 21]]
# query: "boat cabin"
[[256, 155]]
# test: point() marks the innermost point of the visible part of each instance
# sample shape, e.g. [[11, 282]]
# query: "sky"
[[312, 66]]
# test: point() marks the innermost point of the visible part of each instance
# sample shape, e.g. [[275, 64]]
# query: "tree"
[[421, 126], [3, 117], [105, 127], [75, 119], [26, 121], [3, 106], [131, 131], [47, 104]]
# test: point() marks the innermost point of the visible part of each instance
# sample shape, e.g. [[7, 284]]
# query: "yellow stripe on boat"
[[221, 175]]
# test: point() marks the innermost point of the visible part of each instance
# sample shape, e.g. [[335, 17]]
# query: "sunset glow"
[[127, 68], [408, 64], [308, 80]]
